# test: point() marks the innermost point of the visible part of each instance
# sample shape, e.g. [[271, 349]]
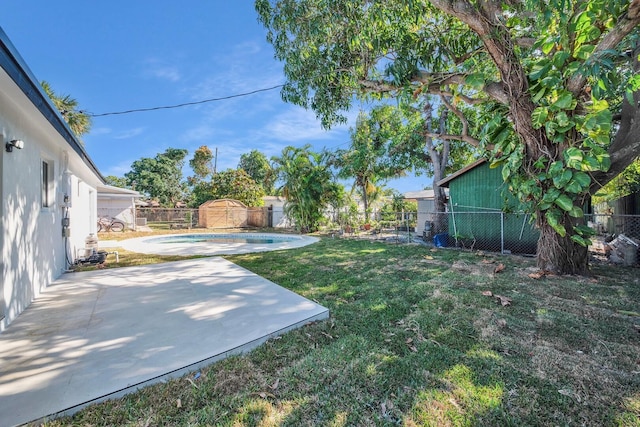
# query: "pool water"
[[221, 238], [216, 243]]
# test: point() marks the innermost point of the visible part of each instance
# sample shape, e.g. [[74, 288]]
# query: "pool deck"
[[153, 245], [97, 335]]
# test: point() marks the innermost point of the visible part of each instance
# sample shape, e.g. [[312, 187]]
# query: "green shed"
[[478, 204]]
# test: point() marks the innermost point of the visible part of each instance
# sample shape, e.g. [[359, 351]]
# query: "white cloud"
[[296, 125], [157, 68], [118, 169], [100, 131], [129, 133]]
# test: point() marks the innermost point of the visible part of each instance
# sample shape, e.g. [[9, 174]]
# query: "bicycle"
[[110, 224]]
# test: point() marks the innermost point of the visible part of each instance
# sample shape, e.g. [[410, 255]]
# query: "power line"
[[167, 107]]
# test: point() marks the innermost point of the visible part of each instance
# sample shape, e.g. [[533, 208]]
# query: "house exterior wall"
[[426, 207], [34, 251], [121, 208], [279, 219]]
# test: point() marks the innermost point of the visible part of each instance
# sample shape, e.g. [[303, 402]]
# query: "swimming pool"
[[215, 243]]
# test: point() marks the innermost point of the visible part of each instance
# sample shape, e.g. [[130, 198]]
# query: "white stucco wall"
[[34, 252], [426, 207], [280, 220], [120, 208]]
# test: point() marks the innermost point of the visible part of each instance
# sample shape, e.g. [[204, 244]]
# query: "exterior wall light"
[[18, 143]]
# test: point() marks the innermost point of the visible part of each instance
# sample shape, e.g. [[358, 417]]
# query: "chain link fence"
[[617, 236]]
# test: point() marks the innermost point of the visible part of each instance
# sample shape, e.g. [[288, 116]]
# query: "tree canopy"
[[236, 184], [366, 159], [160, 177], [556, 83], [258, 167]]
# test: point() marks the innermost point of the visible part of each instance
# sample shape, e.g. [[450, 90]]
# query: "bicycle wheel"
[[99, 227], [117, 226]]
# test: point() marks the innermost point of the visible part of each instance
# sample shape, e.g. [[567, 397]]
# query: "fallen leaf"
[[537, 275], [409, 340], [178, 403], [499, 268], [264, 395], [504, 301], [487, 261], [327, 335], [501, 323], [413, 348], [428, 257], [274, 386], [487, 293], [433, 250]]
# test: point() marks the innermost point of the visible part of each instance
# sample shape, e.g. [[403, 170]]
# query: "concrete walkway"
[[102, 334]]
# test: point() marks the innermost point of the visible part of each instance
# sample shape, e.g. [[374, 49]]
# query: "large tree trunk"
[[560, 255]]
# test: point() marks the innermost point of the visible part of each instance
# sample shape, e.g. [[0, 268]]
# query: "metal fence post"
[[501, 232]]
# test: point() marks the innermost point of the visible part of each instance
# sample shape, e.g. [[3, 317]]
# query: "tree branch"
[[433, 83], [627, 23], [626, 143]]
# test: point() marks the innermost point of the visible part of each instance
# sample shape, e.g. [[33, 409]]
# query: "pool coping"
[[145, 246]]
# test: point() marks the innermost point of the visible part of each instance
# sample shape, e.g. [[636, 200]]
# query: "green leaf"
[[559, 58], [584, 230], [573, 157], [496, 163], [576, 212], [539, 117], [580, 240], [564, 101], [556, 168], [583, 52], [559, 181], [540, 69], [564, 202], [551, 195], [582, 178], [562, 119], [475, 80], [538, 96], [553, 219]]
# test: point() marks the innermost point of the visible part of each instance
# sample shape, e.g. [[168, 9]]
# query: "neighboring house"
[[477, 198], [120, 203], [47, 187], [277, 219], [620, 216], [426, 207]]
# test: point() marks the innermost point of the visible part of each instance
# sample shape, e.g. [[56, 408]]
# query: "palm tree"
[[306, 184], [79, 122]]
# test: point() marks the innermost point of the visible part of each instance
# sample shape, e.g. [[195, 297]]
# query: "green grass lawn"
[[412, 340]]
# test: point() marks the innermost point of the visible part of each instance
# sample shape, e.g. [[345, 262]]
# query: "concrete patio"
[[101, 334]]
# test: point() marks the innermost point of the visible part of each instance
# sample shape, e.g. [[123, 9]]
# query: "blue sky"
[[115, 56]]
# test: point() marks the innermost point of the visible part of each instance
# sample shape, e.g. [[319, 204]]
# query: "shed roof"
[[229, 203], [445, 181], [112, 191]]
